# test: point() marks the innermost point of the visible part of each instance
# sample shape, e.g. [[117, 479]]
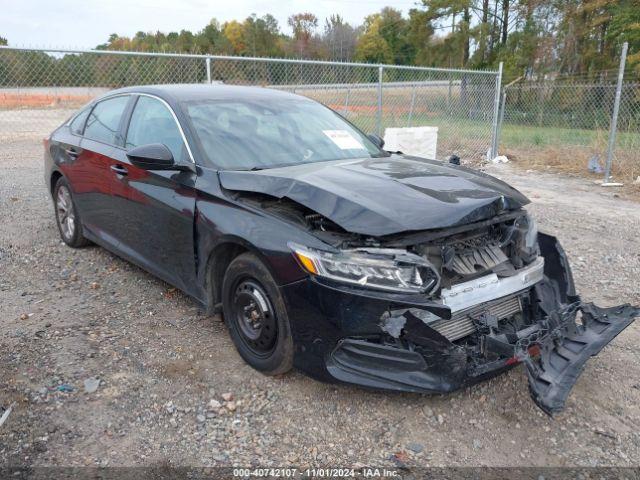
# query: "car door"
[[156, 208], [90, 178]]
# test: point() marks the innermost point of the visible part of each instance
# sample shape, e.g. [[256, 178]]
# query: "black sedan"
[[322, 250]]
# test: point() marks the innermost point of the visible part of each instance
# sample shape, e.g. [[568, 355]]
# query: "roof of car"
[[214, 91]]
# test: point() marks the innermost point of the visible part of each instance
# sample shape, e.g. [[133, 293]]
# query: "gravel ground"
[[173, 391]]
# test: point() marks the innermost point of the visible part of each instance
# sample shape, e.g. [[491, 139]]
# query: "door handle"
[[72, 152], [119, 169]]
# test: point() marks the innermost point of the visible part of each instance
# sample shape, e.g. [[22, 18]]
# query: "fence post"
[[379, 112], [346, 102], [614, 116], [413, 102], [503, 106], [208, 61], [496, 113]]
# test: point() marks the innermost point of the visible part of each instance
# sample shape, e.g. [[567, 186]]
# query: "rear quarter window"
[[103, 123], [77, 124]]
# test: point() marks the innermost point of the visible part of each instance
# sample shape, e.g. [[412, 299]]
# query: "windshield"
[[257, 133]]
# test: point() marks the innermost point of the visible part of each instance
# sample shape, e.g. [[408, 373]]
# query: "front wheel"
[[67, 217], [256, 316]]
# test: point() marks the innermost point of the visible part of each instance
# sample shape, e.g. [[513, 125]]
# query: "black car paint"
[[203, 222], [163, 201]]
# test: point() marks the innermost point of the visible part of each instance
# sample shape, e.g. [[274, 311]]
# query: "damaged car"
[[321, 250]]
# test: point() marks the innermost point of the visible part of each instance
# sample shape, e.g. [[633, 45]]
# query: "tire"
[[253, 307], [67, 218]]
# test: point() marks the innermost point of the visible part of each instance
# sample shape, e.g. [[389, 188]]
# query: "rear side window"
[[104, 121], [77, 125], [152, 122]]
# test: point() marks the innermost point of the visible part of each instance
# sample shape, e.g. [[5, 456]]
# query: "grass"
[[562, 149], [569, 150]]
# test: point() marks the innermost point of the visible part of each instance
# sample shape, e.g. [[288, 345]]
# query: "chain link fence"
[[626, 153], [566, 123], [39, 89]]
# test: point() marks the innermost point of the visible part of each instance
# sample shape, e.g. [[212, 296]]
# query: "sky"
[[85, 24]]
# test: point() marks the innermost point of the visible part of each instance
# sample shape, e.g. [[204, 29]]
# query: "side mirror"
[[154, 156], [379, 142]]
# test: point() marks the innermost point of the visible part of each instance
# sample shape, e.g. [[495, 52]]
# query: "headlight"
[[384, 269]]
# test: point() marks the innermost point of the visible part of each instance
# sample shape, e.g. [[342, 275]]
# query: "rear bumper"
[[392, 342]]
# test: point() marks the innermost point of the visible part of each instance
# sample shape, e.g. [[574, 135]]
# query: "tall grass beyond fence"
[[566, 124]]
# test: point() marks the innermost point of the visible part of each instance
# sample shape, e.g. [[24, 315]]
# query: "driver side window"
[[152, 122]]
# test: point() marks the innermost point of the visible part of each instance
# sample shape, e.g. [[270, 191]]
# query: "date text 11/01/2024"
[[365, 472]]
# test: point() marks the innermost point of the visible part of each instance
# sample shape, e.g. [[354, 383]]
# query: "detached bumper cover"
[[567, 346]]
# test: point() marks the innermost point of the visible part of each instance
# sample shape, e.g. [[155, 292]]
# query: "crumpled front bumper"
[[561, 335]]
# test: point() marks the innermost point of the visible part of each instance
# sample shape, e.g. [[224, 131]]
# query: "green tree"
[[591, 32], [262, 36], [394, 28], [419, 36], [457, 14], [624, 26], [372, 46], [185, 42], [210, 38]]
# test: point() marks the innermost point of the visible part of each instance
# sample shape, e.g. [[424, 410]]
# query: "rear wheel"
[[67, 217], [256, 316]]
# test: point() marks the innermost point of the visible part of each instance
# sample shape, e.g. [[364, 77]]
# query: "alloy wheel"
[[65, 213]]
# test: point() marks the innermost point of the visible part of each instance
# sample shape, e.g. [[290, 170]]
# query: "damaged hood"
[[383, 196]]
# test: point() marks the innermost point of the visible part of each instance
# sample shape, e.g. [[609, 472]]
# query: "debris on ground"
[[400, 459], [500, 159], [6, 414], [415, 447], [91, 384], [605, 434], [594, 164]]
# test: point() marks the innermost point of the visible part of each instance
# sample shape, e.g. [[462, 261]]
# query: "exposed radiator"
[[460, 324]]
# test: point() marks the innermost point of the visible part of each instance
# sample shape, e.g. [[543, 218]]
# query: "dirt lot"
[[71, 315]]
